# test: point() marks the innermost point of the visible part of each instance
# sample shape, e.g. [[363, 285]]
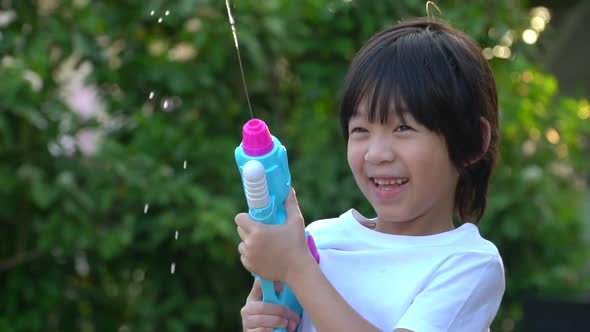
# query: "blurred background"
[[119, 119]]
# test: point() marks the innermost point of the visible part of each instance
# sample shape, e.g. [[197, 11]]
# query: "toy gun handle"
[[263, 164], [266, 208]]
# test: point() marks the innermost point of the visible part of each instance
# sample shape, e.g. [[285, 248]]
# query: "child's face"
[[405, 172]]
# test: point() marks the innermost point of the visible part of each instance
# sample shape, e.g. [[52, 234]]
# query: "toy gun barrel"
[[263, 164]]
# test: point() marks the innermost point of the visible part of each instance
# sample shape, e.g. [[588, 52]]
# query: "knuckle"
[[284, 311], [256, 228], [257, 307], [266, 321], [240, 217], [256, 320], [244, 312]]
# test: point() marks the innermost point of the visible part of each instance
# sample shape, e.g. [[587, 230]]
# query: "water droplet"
[[170, 104], [145, 208], [167, 13], [152, 95], [176, 235], [184, 165], [82, 267], [152, 12], [172, 268], [160, 20], [138, 275]]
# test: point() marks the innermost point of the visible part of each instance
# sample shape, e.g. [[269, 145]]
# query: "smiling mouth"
[[389, 183]]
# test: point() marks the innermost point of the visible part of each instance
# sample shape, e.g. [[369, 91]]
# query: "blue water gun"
[[263, 164]]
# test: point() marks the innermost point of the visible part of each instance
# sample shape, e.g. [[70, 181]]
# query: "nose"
[[380, 151]]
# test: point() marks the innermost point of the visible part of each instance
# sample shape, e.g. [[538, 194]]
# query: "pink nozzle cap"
[[256, 139], [313, 248]]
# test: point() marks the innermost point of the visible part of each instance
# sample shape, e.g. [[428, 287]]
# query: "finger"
[[244, 221], [242, 248], [292, 207], [268, 321], [255, 292], [256, 308], [245, 263], [293, 319], [261, 329], [241, 232]]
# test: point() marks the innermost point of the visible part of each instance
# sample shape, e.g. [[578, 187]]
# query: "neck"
[[419, 226]]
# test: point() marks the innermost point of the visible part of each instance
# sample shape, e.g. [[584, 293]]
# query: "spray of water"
[[232, 23], [173, 265]]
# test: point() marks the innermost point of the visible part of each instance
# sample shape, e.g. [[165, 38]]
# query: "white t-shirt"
[[452, 281]]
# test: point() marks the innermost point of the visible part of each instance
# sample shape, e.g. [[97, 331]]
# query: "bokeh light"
[[584, 112], [530, 36], [552, 136]]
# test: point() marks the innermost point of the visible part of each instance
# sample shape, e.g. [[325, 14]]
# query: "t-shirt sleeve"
[[464, 294]]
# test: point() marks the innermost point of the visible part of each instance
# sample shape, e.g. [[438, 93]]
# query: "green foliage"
[[90, 236]]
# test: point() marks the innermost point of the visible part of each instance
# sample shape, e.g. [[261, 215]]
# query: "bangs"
[[412, 74]]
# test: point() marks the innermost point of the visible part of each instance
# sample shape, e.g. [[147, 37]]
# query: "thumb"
[[292, 207], [256, 292]]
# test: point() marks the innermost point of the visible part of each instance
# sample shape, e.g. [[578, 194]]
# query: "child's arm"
[[280, 252], [326, 308], [323, 304]]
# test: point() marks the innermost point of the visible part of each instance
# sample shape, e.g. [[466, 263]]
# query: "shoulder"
[[473, 256], [473, 279], [463, 294], [320, 226], [469, 242], [332, 232], [480, 267], [472, 272]]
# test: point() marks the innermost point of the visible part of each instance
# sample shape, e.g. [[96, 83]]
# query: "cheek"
[[355, 158], [443, 160], [432, 163], [439, 171], [350, 153]]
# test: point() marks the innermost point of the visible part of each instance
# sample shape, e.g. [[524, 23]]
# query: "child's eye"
[[358, 130], [403, 128]]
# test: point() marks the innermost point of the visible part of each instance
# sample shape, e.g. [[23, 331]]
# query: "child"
[[420, 114]]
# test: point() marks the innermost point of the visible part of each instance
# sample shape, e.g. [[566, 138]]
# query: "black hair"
[[436, 73]]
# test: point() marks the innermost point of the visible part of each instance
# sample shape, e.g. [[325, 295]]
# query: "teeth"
[[385, 182]]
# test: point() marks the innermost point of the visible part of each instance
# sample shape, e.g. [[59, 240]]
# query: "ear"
[[486, 132]]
